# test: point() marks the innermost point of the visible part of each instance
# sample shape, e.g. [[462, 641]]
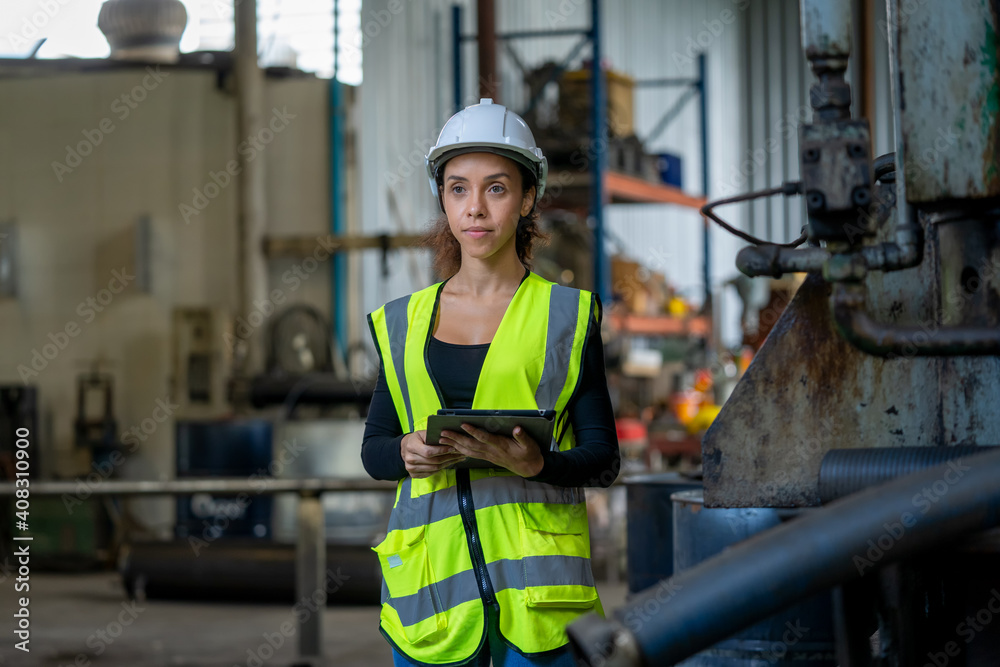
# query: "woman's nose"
[[476, 208]]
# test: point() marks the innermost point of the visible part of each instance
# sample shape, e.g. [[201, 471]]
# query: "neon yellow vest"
[[532, 538]]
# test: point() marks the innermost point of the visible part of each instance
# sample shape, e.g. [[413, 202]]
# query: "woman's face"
[[484, 199]]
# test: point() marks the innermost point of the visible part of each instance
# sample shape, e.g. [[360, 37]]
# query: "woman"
[[488, 562]]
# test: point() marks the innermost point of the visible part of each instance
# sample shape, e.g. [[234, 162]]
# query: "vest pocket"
[[555, 548], [407, 572]]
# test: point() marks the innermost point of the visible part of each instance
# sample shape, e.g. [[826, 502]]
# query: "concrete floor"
[[75, 622]]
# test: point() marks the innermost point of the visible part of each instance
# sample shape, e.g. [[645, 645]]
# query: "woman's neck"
[[480, 278]]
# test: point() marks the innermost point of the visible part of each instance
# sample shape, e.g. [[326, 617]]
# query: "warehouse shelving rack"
[[588, 193]]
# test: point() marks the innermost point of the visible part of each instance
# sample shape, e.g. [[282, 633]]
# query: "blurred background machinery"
[[878, 350]]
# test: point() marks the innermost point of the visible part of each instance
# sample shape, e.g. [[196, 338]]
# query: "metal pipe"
[[675, 81], [828, 546], [243, 568], [706, 235], [529, 34], [310, 560], [598, 148], [338, 274], [826, 40], [251, 485], [310, 568], [252, 270], [774, 261], [906, 251], [826, 30], [904, 212], [859, 329], [486, 28], [884, 165], [670, 115], [846, 471], [456, 55]]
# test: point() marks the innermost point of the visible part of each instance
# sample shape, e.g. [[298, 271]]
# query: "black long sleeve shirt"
[[594, 461]]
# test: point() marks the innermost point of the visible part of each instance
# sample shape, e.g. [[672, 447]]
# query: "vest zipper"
[[468, 511], [465, 505]]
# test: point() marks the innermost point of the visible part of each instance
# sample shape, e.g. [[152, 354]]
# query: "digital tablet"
[[539, 424]]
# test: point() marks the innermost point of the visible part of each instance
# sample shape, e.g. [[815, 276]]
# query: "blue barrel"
[[223, 448], [650, 526], [800, 636]]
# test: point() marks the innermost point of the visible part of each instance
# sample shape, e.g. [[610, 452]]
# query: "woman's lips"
[[477, 233]]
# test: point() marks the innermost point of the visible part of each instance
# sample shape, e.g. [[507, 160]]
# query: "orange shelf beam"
[[618, 188], [623, 187], [663, 325]]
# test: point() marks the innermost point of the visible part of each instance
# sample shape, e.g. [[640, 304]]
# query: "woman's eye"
[[457, 189], [496, 188]]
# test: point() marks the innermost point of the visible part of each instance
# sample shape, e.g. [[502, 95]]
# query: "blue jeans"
[[503, 655]]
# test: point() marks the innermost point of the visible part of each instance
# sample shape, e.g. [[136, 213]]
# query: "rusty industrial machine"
[[866, 419]]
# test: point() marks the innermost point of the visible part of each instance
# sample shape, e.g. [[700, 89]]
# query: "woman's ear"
[[528, 201]]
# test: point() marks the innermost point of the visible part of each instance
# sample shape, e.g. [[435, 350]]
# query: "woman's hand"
[[520, 454], [423, 460]]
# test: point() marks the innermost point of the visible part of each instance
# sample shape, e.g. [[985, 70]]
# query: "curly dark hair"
[[448, 251]]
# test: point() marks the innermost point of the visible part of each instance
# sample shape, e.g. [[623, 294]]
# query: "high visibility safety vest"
[[459, 539]]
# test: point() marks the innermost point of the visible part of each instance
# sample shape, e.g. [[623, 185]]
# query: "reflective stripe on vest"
[[534, 536], [461, 587]]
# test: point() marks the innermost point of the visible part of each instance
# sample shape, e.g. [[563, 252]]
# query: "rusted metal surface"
[[808, 391], [826, 28], [969, 251], [948, 62], [924, 339], [970, 296], [970, 270]]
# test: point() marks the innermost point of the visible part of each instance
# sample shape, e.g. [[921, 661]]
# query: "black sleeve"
[[595, 460], [383, 433]]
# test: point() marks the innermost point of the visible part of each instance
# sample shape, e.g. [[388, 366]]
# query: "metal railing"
[[310, 547]]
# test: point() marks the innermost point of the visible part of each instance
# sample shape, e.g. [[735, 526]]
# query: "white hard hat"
[[489, 128]]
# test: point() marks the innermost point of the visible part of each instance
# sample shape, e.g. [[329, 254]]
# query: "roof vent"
[[147, 30]]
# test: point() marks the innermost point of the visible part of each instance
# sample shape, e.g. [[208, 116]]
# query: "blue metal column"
[[456, 55], [706, 236], [338, 268], [599, 144]]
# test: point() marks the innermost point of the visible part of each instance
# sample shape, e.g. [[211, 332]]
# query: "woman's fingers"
[[427, 469], [433, 451], [482, 435], [522, 437], [469, 447]]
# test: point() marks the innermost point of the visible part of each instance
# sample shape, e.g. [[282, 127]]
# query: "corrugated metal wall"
[[758, 84], [399, 114]]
